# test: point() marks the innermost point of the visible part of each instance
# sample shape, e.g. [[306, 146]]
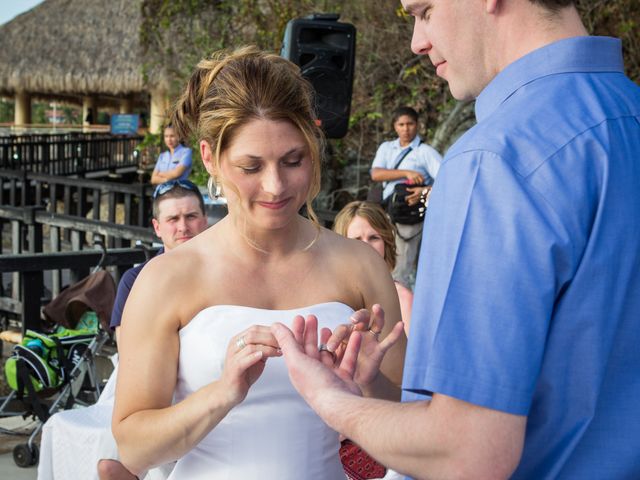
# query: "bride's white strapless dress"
[[273, 433]]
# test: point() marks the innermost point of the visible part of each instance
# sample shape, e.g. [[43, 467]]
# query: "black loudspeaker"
[[325, 50]]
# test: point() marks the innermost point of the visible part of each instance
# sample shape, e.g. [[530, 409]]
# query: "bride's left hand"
[[305, 332], [372, 348]]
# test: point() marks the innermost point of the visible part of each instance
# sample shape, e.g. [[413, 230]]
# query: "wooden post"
[[111, 217], [32, 286], [34, 229], [24, 187], [22, 114], [159, 107], [32, 283], [77, 274], [16, 247], [125, 105], [56, 278], [96, 204], [66, 206]]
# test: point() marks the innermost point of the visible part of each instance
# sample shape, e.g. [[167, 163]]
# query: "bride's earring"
[[214, 189], [210, 188]]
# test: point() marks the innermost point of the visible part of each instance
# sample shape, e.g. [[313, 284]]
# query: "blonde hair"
[[229, 89], [377, 218]]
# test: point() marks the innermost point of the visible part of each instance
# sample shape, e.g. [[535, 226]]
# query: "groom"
[[523, 354]]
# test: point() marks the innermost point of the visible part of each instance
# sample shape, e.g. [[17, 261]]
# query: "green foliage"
[[617, 18], [177, 33], [72, 115], [6, 111], [148, 150], [198, 174], [153, 140], [38, 112]]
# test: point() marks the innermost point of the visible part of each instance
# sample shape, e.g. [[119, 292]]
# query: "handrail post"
[[34, 228], [143, 221], [77, 274], [56, 275], [32, 283], [25, 186], [32, 291], [16, 247]]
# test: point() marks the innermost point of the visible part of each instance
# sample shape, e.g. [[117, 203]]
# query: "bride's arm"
[[148, 429]]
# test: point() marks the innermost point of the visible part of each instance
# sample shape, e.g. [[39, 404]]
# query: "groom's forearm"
[[389, 431], [444, 438]]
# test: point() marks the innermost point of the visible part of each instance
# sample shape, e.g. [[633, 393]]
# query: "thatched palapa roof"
[[74, 47]]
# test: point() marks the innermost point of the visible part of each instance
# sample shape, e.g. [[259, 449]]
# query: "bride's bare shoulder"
[[349, 252]]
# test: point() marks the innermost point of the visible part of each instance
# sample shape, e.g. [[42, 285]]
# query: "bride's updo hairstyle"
[[229, 89]]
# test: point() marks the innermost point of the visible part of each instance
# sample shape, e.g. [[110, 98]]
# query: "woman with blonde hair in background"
[[201, 377], [367, 221]]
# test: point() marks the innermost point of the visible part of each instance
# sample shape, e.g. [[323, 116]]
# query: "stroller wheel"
[[24, 456]]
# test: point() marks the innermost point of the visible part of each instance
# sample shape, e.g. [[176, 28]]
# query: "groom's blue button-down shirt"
[[527, 298]]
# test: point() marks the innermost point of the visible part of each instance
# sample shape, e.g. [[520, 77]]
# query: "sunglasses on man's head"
[[171, 184]]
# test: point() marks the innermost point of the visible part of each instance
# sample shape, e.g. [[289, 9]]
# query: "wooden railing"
[[30, 269], [27, 263], [72, 153], [77, 196], [27, 227]]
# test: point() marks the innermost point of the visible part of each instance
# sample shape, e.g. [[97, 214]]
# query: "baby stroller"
[[55, 369]]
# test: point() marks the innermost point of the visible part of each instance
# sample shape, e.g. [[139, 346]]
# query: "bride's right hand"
[[245, 360]]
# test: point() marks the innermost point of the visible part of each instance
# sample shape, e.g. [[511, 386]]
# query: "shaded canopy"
[[74, 47]]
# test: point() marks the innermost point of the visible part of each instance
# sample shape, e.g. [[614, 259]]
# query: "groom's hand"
[[317, 379]]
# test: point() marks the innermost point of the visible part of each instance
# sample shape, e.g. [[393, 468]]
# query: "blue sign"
[[124, 124]]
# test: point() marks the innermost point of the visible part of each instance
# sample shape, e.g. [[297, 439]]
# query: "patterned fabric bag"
[[358, 464]]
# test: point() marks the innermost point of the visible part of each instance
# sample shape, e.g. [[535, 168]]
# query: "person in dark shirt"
[[178, 216]]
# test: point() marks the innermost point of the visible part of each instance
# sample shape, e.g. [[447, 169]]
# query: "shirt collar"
[[576, 54], [414, 143]]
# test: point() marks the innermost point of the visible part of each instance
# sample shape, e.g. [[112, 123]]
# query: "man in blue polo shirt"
[[524, 358]]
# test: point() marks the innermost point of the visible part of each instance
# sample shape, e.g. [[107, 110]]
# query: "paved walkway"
[[10, 471], [8, 468]]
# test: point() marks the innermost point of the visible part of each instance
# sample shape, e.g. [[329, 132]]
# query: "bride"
[[201, 377]]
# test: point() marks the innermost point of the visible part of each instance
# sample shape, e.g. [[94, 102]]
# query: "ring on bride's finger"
[[240, 343], [373, 332], [323, 348]]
